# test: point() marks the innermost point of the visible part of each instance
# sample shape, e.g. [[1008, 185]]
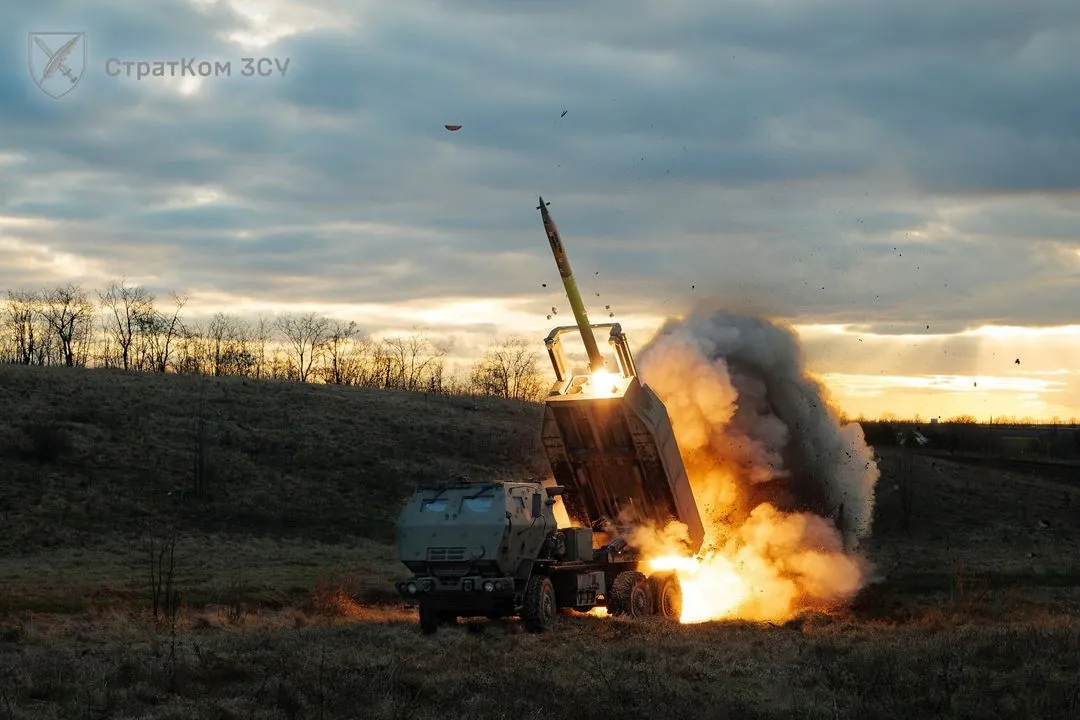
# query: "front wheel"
[[538, 613]]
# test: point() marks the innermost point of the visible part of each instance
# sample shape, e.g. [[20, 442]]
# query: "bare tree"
[[163, 331], [221, 332], [509, 370], [415, 359], [29, 341], [191, 349], [69, 313], [261, 334], [127, 310], [341, 366], [307, 336]]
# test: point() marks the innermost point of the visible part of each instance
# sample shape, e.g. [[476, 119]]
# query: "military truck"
[[498, 549]]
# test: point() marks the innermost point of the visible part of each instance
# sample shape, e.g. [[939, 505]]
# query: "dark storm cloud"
[[804, 161]]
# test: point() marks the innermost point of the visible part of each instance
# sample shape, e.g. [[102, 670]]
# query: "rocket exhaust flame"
[[786, 491]]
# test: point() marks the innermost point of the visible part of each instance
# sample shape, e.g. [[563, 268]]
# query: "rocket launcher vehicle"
[[607, 436]]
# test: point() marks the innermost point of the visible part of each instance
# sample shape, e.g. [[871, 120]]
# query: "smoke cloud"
[[785, 489]]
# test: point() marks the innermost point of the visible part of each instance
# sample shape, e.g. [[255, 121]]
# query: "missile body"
[[596, 360]]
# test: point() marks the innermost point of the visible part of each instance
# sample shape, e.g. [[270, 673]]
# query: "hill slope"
[[302, 480], [87, 454]]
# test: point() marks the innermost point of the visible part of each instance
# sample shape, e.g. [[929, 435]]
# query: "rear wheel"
[[630, 595], [538, 613], [666, 591]]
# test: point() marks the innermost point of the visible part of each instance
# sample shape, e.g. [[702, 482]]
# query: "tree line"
[[130, 328]]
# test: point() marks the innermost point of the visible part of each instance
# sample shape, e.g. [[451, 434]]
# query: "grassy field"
[[281, 603]]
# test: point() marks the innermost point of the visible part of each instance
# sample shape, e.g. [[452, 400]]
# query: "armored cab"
[[473, 549]]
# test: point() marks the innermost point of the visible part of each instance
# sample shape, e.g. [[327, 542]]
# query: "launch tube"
[[596, 360]]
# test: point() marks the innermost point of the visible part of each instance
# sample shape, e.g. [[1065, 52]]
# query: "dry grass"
[[284, 572], [377, 666], [256, 571]]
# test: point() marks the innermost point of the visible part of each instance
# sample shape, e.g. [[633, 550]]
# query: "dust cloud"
[[785, 489]]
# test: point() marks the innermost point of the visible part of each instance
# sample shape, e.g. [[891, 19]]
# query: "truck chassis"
[[614, 581]]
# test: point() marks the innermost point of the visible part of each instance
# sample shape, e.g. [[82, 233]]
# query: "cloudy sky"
[[899, 180]]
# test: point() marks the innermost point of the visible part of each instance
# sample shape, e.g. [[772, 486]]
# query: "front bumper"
[[467, 592]]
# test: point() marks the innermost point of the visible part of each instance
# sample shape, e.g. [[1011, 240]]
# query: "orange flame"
[[758, 562], [774, 566]]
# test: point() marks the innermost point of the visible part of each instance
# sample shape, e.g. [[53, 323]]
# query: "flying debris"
[[1017, 361], [452, 128], [564, 113], [543, 284]]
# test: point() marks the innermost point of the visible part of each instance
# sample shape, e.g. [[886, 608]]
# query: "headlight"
[[489, 586], [427, 585], [411, 587], [467, 585]]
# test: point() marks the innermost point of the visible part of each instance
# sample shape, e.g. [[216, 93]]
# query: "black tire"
[[538, 612], [630, 595], [429, 619], [666, 591]]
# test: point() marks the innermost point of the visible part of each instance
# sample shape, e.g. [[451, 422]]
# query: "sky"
[[899, 181]]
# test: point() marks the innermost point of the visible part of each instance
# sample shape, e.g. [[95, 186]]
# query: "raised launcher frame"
[[609, 442]]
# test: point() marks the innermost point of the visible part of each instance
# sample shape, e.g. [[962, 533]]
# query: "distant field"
[[284, 607]]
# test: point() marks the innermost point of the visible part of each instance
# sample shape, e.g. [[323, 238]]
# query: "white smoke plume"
[[786, 491]]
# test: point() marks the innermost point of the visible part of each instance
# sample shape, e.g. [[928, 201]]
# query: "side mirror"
[[555, 490], [537, 505]]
